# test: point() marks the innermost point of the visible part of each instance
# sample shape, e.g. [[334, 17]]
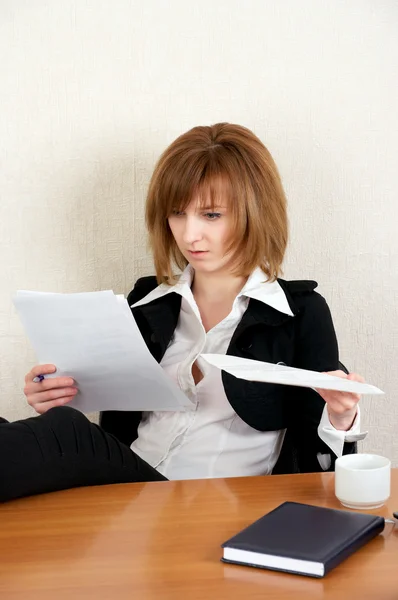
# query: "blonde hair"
[[210, 162]]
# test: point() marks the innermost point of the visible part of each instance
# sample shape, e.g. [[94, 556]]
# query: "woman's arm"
[[316, 349]]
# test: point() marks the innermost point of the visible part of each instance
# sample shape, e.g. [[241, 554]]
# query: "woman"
[[216, 208]]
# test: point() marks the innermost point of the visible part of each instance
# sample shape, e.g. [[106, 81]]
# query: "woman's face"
[[202, 235]]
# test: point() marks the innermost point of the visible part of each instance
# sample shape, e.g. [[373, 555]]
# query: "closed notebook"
[[300, 538]]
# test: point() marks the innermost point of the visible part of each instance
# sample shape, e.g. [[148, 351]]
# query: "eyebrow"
[[211, 207]]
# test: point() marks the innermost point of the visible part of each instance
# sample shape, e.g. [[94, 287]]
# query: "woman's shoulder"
[[298, 286], [142, 287], [302, 296]]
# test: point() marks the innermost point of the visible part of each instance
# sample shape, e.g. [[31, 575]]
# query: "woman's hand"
[[342, 406], [50, 392]]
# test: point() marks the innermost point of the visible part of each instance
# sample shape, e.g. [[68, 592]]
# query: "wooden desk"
[[162, 540]]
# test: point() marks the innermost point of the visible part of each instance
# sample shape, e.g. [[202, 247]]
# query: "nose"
[[192, 230]]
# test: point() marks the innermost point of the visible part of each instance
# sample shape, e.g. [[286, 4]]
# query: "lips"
[[197, 253]]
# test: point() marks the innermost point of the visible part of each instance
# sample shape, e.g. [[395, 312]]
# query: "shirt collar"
[[269, 292], [182, 287], [257, 287]]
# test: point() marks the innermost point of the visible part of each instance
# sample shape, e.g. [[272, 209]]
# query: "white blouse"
[[211, 440]]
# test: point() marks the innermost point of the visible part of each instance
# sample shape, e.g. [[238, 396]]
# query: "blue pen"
[[38, 379]]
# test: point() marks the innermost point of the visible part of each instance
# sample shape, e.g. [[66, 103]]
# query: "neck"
[[216, 287]]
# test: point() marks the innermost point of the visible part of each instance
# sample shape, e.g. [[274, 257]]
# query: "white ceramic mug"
[[362, 480]]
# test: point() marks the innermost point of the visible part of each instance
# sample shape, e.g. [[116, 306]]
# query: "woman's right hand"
[[51, 392]]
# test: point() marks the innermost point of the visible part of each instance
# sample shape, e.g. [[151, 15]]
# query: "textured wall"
[[92, 91]]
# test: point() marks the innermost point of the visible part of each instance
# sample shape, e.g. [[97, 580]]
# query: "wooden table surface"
[[162, 540]]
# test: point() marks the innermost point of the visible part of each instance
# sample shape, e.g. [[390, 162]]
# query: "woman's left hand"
[[342, 406]]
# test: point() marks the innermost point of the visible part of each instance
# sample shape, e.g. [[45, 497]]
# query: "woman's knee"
[[66, 421], [62, 414]]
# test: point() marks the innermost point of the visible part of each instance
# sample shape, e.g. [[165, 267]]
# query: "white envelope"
[[255, 370]]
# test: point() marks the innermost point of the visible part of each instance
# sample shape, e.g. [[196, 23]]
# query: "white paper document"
[[254, 370], [94, 338]]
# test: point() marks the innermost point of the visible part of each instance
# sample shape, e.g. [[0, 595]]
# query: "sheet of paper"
[[94, 338], [254, 370]]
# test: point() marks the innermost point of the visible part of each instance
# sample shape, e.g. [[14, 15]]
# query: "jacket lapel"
[[160, 320], [257, 314]]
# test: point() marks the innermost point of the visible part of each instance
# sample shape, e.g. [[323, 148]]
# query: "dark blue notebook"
[[300, 538]]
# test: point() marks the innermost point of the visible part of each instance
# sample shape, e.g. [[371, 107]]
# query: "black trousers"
[[62, 449]]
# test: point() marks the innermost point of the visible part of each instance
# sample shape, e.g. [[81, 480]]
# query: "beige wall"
[[93, 90]]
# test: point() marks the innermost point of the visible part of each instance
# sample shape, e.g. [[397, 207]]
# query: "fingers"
[[339, 401], [47, 384], [342, 407], [346, 398], [42, 407], [351, 376], [356, 377], [48, 393], [39, 370], [338, 373], [51, 395], [43, 401]]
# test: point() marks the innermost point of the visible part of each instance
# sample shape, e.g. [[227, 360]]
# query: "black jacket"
[[307, 340]]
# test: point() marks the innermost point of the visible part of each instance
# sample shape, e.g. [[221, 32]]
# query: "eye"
[[177, 213], [212, 216]]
